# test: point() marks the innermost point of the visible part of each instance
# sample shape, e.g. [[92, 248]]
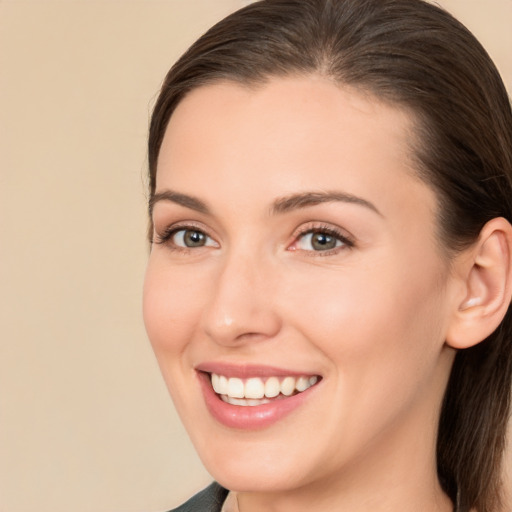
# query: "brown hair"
[[414, 55]]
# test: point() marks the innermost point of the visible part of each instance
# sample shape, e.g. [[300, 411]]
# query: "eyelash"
[[346, 241], [165, 238]]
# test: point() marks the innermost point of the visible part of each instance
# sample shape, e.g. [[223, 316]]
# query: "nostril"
[[248, 336]]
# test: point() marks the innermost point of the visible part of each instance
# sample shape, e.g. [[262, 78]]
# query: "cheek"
[[172, 304], [381, 334], [381, 321]]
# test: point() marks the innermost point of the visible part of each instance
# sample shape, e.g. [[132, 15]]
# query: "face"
[[295, 265]]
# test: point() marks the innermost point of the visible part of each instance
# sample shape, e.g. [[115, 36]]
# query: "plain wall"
[[85, 420]]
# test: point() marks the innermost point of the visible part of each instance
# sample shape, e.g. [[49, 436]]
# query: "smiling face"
[[295, 250]]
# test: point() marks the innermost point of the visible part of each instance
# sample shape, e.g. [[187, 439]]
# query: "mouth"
[[256, 391], [254, 397]]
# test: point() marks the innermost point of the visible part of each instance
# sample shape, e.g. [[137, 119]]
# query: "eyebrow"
[[182, 199], [305, 199], [280, 205]]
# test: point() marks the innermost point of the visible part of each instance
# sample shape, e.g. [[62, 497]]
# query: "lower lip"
[[249, 417]]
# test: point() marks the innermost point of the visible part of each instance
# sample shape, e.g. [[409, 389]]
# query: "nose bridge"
[[241, 305]]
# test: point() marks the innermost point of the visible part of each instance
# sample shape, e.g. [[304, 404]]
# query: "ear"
[[486, 273]]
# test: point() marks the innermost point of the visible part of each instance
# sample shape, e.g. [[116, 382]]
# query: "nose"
[[242, 305]]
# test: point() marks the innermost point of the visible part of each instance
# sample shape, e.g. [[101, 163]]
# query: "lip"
[[251, 417], [246, 371]]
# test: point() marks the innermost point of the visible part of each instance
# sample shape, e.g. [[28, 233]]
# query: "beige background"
[[85, 421]]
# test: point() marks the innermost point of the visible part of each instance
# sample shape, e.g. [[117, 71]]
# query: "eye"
[[318, 241], [188, 238], [191, 238], [184, 238], [322, 240]]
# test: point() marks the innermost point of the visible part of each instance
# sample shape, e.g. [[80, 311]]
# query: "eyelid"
[[342, 235], [164, 236]]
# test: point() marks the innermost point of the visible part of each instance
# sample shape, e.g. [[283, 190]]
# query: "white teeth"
[[223, 385], [272, 387], [254, 388], [302, 384], [249, 402], [288, 386], [215, 382], [255, 391], [235, 388]]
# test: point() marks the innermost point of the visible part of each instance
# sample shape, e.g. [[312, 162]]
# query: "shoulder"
[[208, 500]]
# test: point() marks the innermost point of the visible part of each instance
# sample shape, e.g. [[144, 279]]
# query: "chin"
[[254, 463], [254, 476]]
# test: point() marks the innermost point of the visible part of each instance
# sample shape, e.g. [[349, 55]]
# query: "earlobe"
[[488, 286]]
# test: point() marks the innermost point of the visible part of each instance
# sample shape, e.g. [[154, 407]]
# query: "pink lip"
[[246, 371], [250, 417]]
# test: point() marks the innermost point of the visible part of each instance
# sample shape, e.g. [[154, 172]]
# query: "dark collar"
[[207, 500]]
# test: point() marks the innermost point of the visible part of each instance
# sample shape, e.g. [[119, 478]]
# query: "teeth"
[[236, 388], [215, 382], [254, 388], [288, 386], [244, 402], [220, 384], [272, 387], [302, 384], [223, 385], [255, 391]]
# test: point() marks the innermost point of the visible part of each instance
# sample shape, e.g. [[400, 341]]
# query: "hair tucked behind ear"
[[416, 56]]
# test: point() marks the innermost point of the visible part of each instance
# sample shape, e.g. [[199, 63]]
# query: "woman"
[[330, 276]]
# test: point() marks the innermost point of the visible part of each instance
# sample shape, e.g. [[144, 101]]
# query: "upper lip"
[[245, 371]]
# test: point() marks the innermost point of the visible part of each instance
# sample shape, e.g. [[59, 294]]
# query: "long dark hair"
[[414, 55]]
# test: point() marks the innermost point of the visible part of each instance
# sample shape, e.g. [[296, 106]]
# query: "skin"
[[370, 316]]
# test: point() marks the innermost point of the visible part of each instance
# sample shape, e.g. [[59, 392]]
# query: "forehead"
[[285, 111], [288, 135]]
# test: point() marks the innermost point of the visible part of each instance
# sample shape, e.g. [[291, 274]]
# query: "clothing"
[[210, 499]]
